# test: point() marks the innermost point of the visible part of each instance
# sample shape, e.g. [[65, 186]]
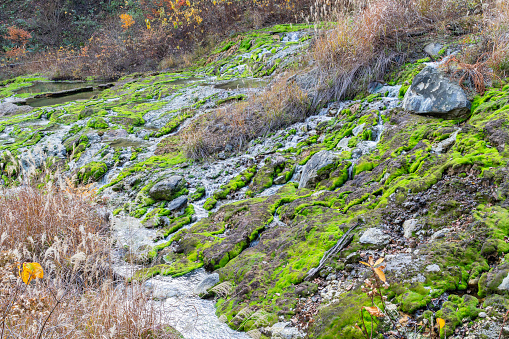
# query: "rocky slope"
[[415, 171]]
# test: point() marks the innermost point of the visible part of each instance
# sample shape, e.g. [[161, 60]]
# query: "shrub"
[[281, 105]]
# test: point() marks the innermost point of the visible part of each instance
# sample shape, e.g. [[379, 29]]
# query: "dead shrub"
[[498, 31], [233, 126], [78, 296], [365, 43]]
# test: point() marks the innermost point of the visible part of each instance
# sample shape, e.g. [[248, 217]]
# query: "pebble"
[[482, 315]]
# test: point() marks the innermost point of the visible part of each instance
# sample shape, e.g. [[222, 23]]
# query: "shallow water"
[[41, 102], [53, 86], [194, 317]]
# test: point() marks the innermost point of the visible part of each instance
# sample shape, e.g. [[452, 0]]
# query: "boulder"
[[432, 93], [317, 168], [178, 203], [166, 189], [374, 236], [433, 49], [205, 284]]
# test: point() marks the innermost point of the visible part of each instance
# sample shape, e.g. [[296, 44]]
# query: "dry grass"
[[365, 41], [498, 30], [79, 296], [282, 104]]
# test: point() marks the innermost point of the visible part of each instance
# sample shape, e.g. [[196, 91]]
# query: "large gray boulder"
[[317, 168], [167, 189], [432, 93]]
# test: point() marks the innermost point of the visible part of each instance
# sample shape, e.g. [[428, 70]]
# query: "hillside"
[[342, 179]]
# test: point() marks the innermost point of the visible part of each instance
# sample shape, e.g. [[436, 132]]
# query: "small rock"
[[353, 258], [166, 189], [177, 204], [409, 226], [433, 93], [482, 315], [433, 49], [439, 234], [314, 170], [433, 268], [374, 236]]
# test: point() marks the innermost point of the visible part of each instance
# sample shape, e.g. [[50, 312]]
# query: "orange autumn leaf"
[[379, 261], [441, 322], [380, 274], [30, 271]]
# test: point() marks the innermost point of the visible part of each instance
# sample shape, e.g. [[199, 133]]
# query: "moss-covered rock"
[[92, 172]]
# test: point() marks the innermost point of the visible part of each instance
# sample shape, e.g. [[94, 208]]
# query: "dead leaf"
[[374, 311], [30, 271], [440, 322], [380, 274], [379, 261]]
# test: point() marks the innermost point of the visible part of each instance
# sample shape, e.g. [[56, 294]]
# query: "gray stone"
[[177, 204], [353, 258], [374, 236], [433, 49], [8, 108], [482, 315], [409, 226], [283, 330], [432, 93], [316, 168], [439, 234], [504, 285], [433, 268], [166, 189], [206, 283], [358, 129]]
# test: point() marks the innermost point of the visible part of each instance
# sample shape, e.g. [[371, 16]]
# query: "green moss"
[[173, 124], [455, 310], [97, 123], [92, 172], [235, 184]]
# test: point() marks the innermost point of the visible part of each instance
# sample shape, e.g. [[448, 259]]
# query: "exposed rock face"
[[8, 108], [166, 189], [434, 94], [317, 168]]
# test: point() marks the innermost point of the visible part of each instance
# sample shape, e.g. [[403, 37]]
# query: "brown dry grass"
[[498, 30], [365, 42], [79, 296], [282, 104]]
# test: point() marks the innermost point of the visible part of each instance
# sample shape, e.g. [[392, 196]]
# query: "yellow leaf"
[[441, 322], [379, 261], [362, 262], [371, 261], [380, 274], [373, 310], [31, 270]]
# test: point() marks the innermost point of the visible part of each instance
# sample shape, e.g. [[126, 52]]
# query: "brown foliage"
[[61, 229], [282, 104]]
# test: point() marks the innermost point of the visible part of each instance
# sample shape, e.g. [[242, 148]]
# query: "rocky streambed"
[[266, 240]]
